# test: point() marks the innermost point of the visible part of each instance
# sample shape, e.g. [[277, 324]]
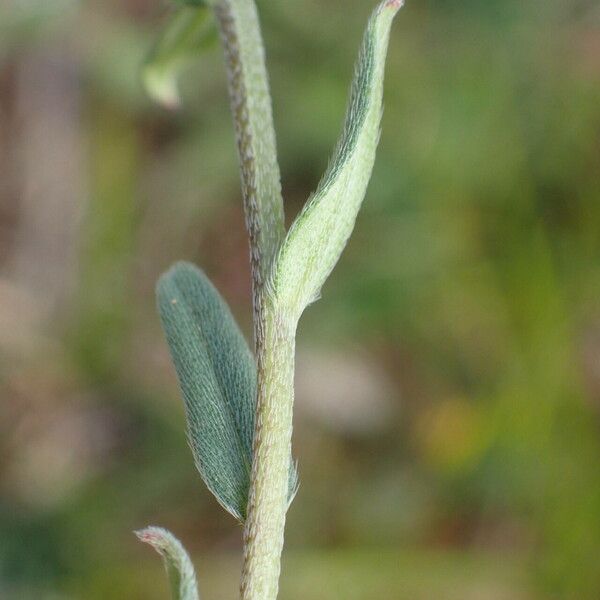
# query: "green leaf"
[[319, 234], [217, 376], [189, 31], [180, 570]]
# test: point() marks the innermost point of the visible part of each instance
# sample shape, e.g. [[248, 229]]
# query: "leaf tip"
[[394, 4], [391, 7], [161, 88], [177, 562], [150, 535]]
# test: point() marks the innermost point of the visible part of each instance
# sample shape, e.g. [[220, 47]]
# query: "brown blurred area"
[[448, 383]]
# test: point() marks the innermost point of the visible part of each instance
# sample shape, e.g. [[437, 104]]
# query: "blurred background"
[[448, 383]]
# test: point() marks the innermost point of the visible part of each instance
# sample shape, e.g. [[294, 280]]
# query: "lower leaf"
[[182, 578]]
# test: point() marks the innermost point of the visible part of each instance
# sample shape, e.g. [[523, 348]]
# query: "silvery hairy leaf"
[[180, 571], [217, 377], [189, 31], [317, 237]]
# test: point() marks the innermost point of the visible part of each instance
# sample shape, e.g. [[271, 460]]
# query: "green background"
[[448, 409]]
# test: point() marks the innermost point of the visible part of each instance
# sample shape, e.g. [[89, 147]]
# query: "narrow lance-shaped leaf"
[[217, 376], [320, 232], [189, 31], [180, 571]]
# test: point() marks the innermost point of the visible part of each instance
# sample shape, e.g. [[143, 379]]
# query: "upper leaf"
[[188, 32], [217, 375], [320, 232], [182, 578]]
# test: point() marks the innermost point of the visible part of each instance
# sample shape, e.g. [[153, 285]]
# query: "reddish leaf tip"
[[149, 536]]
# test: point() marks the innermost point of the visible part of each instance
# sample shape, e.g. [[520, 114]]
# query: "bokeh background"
[[448, 384]]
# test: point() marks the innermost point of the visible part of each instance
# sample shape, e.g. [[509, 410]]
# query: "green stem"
[[268, 502], [273, 336], [253, 120]]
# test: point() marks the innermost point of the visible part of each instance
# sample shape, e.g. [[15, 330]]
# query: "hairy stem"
[[273, 337], [268, 501], [253, 120]]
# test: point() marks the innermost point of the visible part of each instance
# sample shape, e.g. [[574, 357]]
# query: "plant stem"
[[253, 120], [268, 502], [273, 335]]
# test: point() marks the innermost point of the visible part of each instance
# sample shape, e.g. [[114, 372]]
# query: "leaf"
[[188, 33], [182, 578], [319, 234], [217, 376]]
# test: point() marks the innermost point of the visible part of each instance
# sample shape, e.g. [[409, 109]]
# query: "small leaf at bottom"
[[182, 578]]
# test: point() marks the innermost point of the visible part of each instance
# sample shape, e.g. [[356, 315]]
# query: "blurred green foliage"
[[473, 281]]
